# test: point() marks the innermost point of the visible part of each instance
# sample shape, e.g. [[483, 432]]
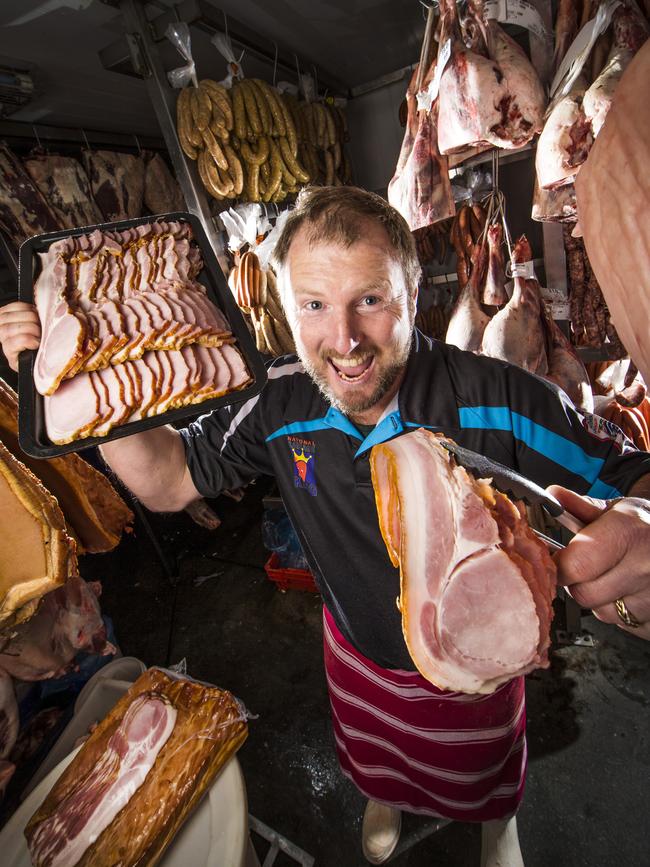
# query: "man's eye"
[[314, 305], [370, 300]]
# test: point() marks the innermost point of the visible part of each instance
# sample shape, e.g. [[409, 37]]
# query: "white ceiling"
[[353, 40]]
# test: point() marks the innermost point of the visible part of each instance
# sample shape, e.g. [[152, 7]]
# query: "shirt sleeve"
[[559, 444]]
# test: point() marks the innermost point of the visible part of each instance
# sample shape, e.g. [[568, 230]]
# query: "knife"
[[514, 485]]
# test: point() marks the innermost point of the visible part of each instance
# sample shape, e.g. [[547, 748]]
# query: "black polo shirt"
[[321, 464]]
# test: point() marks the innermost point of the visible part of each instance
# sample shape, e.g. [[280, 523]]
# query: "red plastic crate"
[[289, 579]]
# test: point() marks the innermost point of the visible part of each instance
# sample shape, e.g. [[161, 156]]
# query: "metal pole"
[[147, 61]]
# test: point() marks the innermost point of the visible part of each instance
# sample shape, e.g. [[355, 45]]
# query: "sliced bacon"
[[64, 836], [476, 585]]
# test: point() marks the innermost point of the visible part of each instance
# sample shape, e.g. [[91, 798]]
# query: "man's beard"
[[355, 406]]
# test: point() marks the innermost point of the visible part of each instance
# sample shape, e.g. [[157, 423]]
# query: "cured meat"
[[68, 620], [577, 119], [611, 191], [494, 292], [565, 367], [117, 183], [178, 734], [36, 554], [516, 332], [64, 185], [565, 140], [162, 193], [23, 210], [107, 302], [8, 728], [566, 29], [489, 93], [476, 585], [65, 835], [420, 188], [555, 206], [95, 514], [468, 319]]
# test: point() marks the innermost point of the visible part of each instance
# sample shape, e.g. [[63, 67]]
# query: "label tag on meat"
[[580, 49], [426, 97], [521, 269], [517, 12]]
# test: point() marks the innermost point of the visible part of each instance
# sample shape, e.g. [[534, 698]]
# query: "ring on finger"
[[626, 615]]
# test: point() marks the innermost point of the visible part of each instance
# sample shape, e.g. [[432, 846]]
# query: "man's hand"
[[20, 329], [609, 558]]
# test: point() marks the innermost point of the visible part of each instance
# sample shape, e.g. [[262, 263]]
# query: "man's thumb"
[[586, 509]]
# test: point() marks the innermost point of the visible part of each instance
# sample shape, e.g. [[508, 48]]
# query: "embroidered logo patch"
[[304, 464], [603, 429]]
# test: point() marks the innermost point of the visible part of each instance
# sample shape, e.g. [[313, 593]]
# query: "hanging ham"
[[494, 291], [516, 332], [64, 184], [489, 93], [476, 585], [468, 319]]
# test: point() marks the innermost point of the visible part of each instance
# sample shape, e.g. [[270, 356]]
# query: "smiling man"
[[348, 273]]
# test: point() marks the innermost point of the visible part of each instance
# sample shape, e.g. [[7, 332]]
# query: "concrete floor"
[[589, 715]]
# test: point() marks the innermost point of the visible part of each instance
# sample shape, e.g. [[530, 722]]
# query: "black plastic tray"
[[32, 434]]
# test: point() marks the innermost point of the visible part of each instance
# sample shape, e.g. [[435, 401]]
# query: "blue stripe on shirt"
[[553, 446]]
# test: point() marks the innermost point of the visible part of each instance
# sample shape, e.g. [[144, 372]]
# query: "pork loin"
[[476, 585]]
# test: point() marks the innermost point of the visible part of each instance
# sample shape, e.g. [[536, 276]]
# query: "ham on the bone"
[[476, 585], [468, 319], [489, 93], [516, 332]]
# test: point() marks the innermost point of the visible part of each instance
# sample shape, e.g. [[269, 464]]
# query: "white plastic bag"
[[264, 250], [244, 224], [179, 36], [224, 46]]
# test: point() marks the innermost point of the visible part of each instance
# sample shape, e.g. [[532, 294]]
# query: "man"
[[348, 274]]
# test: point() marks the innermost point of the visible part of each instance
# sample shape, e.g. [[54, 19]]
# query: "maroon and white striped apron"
[[406, 743]]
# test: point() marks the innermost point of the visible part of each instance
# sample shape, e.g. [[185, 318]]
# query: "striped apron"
[[406, 743]]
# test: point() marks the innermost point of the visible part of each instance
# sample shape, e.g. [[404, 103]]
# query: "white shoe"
[[500, 844], [380, 831]]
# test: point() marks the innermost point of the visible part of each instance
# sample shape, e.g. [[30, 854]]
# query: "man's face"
[[351, 319]]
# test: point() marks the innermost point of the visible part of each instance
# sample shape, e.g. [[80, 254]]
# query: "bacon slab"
[[476, 584]]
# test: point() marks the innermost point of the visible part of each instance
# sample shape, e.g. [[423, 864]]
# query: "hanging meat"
[[494, 291], [162, 194], [612, 191], [139, 775], [8, 728], [555, 206], [577, 118], [489, 93], [64, 184], [37, 554], [68, 620], [468, 319], [565, 368], [95, 514], [516, 332], [23, 210], [476, 585], [420, 189], [566, 29], [117, 183]]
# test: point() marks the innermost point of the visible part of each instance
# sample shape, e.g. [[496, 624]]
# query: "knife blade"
[[514, 485]]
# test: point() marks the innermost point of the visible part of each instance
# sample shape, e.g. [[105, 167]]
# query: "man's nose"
[[345, 333]]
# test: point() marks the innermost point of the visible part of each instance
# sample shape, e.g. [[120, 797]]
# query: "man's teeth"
[[350, 361]]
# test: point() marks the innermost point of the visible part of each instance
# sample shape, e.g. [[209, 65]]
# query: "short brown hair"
[[337, 214]]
